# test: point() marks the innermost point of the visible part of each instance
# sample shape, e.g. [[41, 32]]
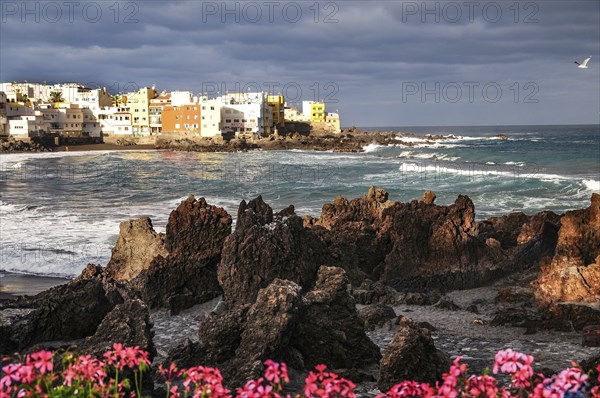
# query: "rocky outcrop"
[[411, 355], [329, 330], [321, 326], [64, 313], [187, 275], [138, 244], [376, 315], [420, 246], [264, 248], [574, 272], [128, 323]]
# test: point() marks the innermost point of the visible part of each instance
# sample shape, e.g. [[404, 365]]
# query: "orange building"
[[184, 118]]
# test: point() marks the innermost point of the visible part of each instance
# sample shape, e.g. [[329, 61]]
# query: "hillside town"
[[73, 112]]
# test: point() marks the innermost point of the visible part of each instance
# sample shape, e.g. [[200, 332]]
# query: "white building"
[[293, 115], [210, 112], [27, 126], [63, 118], [246, 113], [121, 123], [180, 98]]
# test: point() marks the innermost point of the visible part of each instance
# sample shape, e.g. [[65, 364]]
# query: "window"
[[226, 120], [236, 120], [204, 126], [244, 120], [212, 108], [203, 108], [176, 125]]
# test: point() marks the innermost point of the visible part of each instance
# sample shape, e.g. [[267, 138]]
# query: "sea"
[[60, 211]]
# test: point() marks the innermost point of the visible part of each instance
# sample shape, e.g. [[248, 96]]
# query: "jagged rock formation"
[[411, 355], [321, 326], [138, 244], [574, 273], [128, 323], [265, 247]]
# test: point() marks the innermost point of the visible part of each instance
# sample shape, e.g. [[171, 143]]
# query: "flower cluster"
[[43, 374]]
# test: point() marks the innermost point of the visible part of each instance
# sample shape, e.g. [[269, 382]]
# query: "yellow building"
[[278, 104], [139, 106], [314, 110]]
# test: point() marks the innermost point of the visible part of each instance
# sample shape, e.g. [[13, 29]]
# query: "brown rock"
[[376, 315], [411, 355], [428, 197], [574, 273], [194, 238], [138, 244], [260, 251]]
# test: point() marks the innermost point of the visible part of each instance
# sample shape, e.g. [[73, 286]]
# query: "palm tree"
[[56, 96], [117, 100]]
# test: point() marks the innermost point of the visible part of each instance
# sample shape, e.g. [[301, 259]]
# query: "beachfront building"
[[28, 126], [181, 119], [277, 102], [292, 114], [332, 121], [314, 110], [246, 114], [155, 110], [86, 97], [210, 117], [63, 118], [139, 106], [121, 122]]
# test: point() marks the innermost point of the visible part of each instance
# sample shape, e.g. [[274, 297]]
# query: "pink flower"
[[409, 389], [43, 361]]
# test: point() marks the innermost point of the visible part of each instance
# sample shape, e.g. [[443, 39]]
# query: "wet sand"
[[12, 285]]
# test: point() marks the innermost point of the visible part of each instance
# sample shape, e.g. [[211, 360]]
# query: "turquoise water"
[[59, 211]]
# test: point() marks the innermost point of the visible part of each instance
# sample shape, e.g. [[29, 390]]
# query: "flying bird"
[[583, 65]]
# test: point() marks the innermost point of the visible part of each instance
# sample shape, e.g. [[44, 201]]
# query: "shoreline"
[[13, 285]]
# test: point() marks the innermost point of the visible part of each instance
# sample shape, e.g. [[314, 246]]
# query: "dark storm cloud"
[[374, 51]]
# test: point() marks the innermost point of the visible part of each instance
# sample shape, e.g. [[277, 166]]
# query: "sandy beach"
[[12, 285]]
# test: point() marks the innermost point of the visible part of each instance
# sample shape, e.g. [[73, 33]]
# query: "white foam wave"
[[592, 185], [372, 147]]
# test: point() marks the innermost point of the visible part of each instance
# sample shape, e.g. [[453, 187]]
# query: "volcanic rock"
[[411, 355], [129, 324], [376, 315], [194, 238], [260, 251], [138, 244], [574, 273], [66, 312]]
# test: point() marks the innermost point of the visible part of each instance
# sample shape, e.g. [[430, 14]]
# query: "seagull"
[[583, 65]]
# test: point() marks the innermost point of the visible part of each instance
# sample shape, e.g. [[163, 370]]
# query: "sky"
[[379, 63]]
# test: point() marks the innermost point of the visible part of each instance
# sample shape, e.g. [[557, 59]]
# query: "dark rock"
[[591, 336], [267, 331], [514, 295], [422, 325], [473, 308], [446, 304], [129, 324], [329, 329], [194, 238], [258, 253], [411, 355], [574, 273], [66, 312], [319, 327], [376, 315]]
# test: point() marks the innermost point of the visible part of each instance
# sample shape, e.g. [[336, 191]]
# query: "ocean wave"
[[592, 185], [372, 148]]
